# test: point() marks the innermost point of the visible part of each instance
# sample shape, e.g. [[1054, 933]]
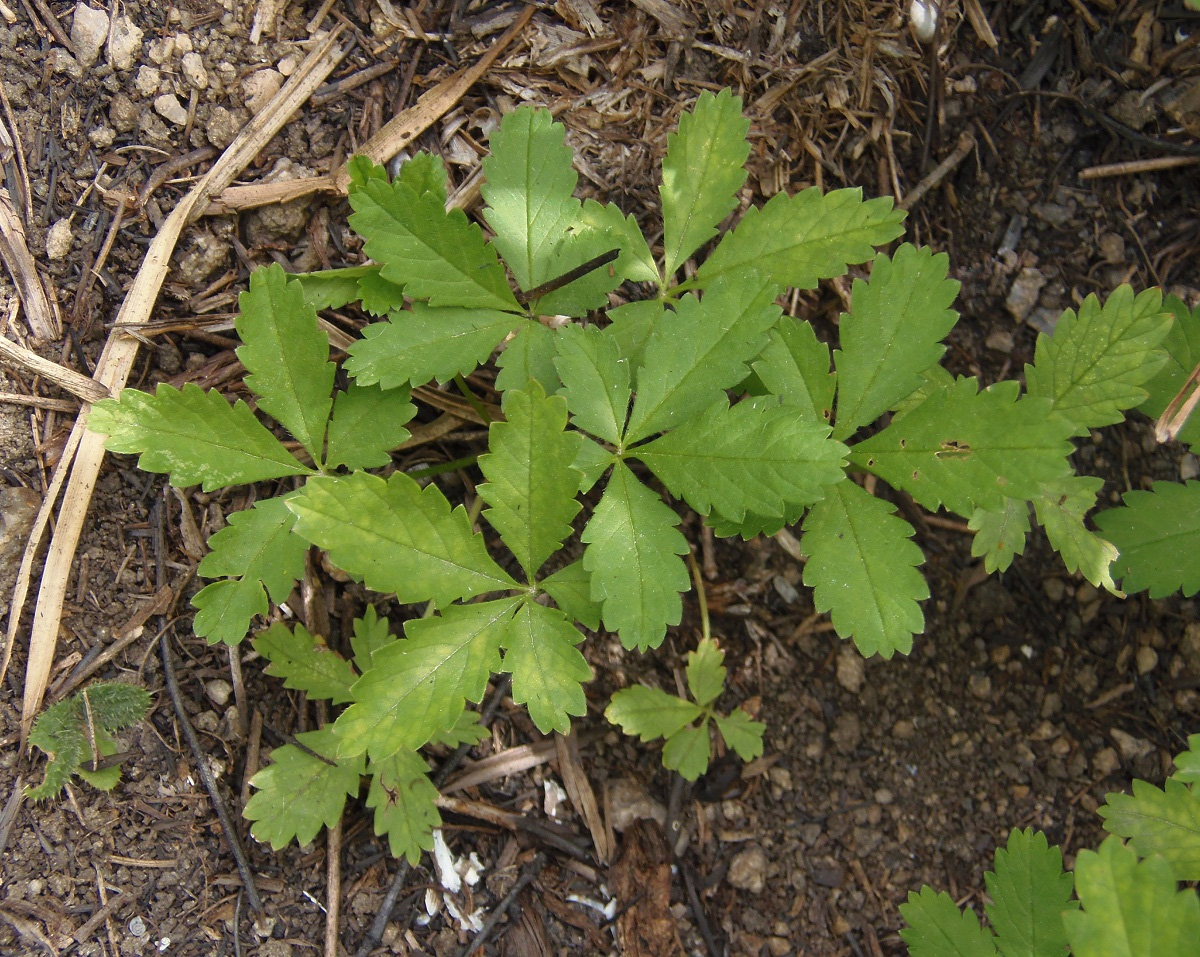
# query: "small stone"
[[222, 127], [1105, 762], [161, 50], [829, 874], [851, 669], [1000, 341], [1055, 589], [1023, 294], [1130, 747], [630, 802], [1112, 248], [194, 72], [259, 87], [847, 732], [1147, 658], [147, 80], [137, 927], [89, 30], [748, 870], [903, 729], [779, 946], [124, 44], [979, 685], [62, 62], [884, 796], [170, 109], [218, 691], [102, 137], [207, 721], [123, 113], [58, 240]]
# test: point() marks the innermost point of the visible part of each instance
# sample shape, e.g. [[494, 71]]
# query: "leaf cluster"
[[76, 735], [1123, 898]]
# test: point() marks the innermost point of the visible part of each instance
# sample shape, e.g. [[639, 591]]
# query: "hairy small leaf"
[[742, 733], [1000, 533], [650, 713], [937, 928]]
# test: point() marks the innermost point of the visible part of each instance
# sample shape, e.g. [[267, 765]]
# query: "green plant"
[[1158, 531], [705, 387], [1129, 901], [76, 735]]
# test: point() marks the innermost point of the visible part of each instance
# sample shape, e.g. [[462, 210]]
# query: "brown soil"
[[1030, 695]]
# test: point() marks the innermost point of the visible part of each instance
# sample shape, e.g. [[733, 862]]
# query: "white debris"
[[556, 797], [443, 862], [89, 30]]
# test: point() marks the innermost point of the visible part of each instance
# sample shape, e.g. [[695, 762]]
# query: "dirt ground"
[[1029, 696]]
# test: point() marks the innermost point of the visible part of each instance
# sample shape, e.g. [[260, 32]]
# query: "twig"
[[1133, 167], [689, 881], [529, 874], [206, 775], [333, 888], [966, 143]]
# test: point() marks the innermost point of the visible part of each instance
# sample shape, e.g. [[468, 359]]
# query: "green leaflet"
[[529, 186], [742, 733], [571, 589], [799, 240], [531, 486], [529, 355], [368, 422], [256, 554], [701, 174], [752, 457], [378, 295], [650, 713], [305, 662], [332, 288], [636, 262], [1060, 509], [548, 670], [687, 752], [423, 173], [1130, 908], [632, 325], [1029, 892], [423, 343], [399, 537], [436, 255], [1182, 346], [706, 672], [632, 555], [415, 687], [1155, 821], [753, 525], [700, 349], [892, 334], [1096, 363], [937, 928], [582, 245], [1158, 536], [196, 436], [371, 635], [405, 803], [862, 569], [298, 793], [966, 449], [1187, 763], [795, 366], [286, 356], [596, 381], [1000, 534]]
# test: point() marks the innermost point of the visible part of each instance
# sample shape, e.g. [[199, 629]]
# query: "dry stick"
[[529, 873], [85, 450], [206, 775], [1138, 166], [14, 250], [333, 888], [966, 143], [82, 386]]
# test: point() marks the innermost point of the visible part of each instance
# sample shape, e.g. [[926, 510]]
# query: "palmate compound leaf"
[[529, 189], [595, 381], [405, 803], [415, 687], [937, 928], [1029, 892], [699, 350], [892, 334], [795, 366], [1130, 909], [1155, 821], [399, 537], [702, 172], [286, 355], [257, 554], [688, 751], [862, 569], [548, 671], [1158, 536], [633, 550], [1000, 533], [1060, 509], [1182, 346], [757, 456], [305, 663], [966, 449], [426, 342], [1097, 362], [368, 422], [798, 240], [436, 255], [531, 486], [298, 793], [196, 436]]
